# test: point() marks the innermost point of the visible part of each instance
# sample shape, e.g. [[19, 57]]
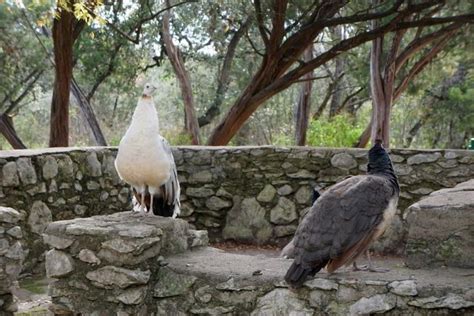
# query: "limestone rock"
[[57, 242], [451, 301], [303, 195], [302, 174], [58, 264], [202, 294], [285, 230], [86, 255], [438, 229], [284, 212], [50, 167], [230, 285], [10, 175], [65, 167], [9, 215], [204, 176], [281, 302], [343, 161], [15, 232], [93, 165], [403, 288], [285, 190], [39, 218], [26, 171], [198, 238], [379, 303], [267, 194], [172, 284], [423, 158], [321, 284], [214, 203], [3, 246], [110, 277], [135, 246], [199, 192], [16, 252], [133, 296], [246, 222]]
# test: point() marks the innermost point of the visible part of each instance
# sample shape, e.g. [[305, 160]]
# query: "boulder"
[[440, 229]]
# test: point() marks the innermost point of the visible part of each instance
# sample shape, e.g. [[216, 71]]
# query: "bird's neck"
[[145, 116], [386, 172]]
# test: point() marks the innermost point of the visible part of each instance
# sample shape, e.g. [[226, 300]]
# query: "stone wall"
[[130, 264], [251, 194], [12, 256], [110, 265]]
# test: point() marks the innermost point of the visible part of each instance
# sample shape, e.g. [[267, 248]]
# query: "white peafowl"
[[145, 161]]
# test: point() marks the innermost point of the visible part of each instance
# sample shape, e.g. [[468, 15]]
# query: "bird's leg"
[[151, 202], [372, 268], [142, 203], [369, 267]]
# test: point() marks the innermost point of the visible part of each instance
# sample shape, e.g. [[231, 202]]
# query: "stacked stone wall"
[[12, 256], [130, 264], [250, 194], [110, 265]]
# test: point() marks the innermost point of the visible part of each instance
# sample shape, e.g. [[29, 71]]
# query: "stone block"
[[58, 264], [440, 229], [39, 218]]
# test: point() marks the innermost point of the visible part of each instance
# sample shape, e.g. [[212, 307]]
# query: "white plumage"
[[145, 161]]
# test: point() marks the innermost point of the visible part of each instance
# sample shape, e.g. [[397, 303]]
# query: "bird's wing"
[[171, 188], [341, 223]]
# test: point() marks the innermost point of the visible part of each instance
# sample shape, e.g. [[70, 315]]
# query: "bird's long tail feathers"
[[161, 208], [297, 274]]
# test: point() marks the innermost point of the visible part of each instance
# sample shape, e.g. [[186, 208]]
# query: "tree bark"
[[63, 28], [192, 126], [8, 131], [335, 104], [303, 105], [393, 64]]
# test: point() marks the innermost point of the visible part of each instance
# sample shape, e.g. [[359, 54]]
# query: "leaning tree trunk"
[[88, 113], [63, 40], [304, 103], [8, 131], [184, 80]]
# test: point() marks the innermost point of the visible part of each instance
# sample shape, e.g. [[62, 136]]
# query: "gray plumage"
[[345, 220]]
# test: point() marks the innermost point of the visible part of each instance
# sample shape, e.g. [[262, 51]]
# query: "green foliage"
[[340, 131]]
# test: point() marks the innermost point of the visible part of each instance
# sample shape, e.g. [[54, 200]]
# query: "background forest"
[[238, 72]]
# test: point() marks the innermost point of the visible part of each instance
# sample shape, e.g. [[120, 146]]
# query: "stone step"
[[211, 281]]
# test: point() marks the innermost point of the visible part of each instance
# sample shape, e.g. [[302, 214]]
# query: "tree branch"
[[261, 26], [419, 43], [418, 66]]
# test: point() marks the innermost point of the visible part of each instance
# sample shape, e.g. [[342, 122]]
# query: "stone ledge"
[[241, 284], [440, 228], [110, 263]]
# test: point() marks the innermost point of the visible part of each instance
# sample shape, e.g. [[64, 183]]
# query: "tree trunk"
[[63, 40], [381, 102], [88, 113], [8, 131], [192, 126], [336, 98], [303, 105]]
